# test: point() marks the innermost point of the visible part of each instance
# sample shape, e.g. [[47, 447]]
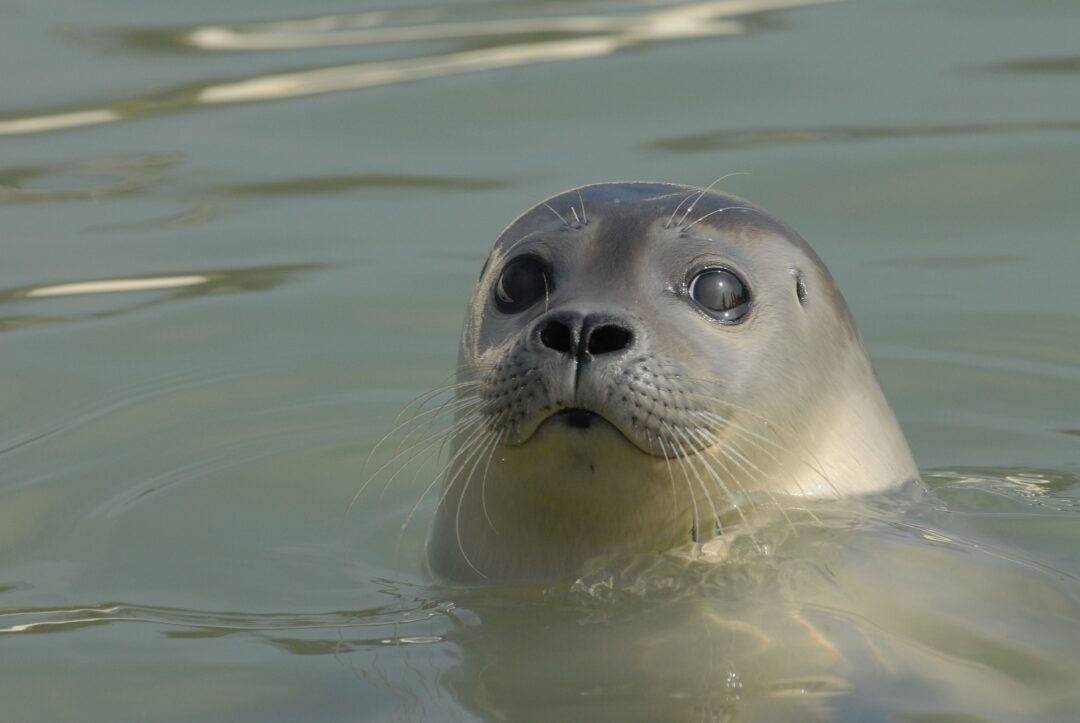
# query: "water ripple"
[[153, 388], [1030, 490], [85, 181], [213, 624]]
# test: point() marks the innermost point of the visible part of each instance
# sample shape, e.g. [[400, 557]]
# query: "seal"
[[639, 361]]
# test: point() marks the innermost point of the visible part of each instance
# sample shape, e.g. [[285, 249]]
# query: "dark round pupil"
[[523, 282], [720, 292]]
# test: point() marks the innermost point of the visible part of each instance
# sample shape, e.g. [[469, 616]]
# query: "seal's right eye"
[[523, 282]]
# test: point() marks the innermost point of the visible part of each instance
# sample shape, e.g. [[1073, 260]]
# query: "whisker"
[[701, 482], [671, 219], [708, 449], [420, 500], [451, 405], [425, 444], [548, 206], [547, 294], [454, 405], [399, 452], [813, 464], [755, 440], [712, 451], [724, 421], [671, 475], [734, 454], [488, 438], [423, 398], [693, 498], [483, 484], [714, 399], [473, 435], [713, 213], [690, 208]]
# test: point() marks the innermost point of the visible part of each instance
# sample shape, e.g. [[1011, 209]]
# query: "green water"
[[310, 189]]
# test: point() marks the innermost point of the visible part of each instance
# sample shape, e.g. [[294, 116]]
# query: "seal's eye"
[[523, 282], [721, 294]]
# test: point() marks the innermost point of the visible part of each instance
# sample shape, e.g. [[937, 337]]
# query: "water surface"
[[238, 238]]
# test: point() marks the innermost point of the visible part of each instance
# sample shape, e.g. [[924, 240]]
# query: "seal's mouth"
[[577, 418], [581, 421]]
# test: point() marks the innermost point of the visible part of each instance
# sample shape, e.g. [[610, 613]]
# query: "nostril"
[[609, 338], [556, 335]]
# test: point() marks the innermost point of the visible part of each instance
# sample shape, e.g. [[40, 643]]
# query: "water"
[[296, 198]]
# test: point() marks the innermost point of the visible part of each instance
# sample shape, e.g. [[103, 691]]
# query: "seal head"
[[638, 361]]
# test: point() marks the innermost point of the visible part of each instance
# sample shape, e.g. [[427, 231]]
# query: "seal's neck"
[[567, 500], [852, 445], [552, 508]]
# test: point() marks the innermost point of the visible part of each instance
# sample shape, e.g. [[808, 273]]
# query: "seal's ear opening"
[[800, 288]]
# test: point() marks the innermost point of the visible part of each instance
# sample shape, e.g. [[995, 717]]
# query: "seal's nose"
[[559, 331], [583, 337], [601, 335]]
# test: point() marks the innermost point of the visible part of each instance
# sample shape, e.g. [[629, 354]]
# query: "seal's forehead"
[[609, 201], [628, 208], [640, 194]]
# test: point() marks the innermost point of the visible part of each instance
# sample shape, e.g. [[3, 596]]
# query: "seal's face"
[[639, 358], [636, 306]]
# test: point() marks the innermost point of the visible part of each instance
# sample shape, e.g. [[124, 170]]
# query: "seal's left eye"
[[523, 282], [721, 294]]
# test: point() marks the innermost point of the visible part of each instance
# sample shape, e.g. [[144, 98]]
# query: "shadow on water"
[[1058, 65], [340, 184], [121, 176], [753, 137], [67, 303], [489, 44], [85, 181], [157, 176]]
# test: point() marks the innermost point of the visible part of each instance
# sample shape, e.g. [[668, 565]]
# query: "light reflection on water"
[[603, 35], [129, 294]]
